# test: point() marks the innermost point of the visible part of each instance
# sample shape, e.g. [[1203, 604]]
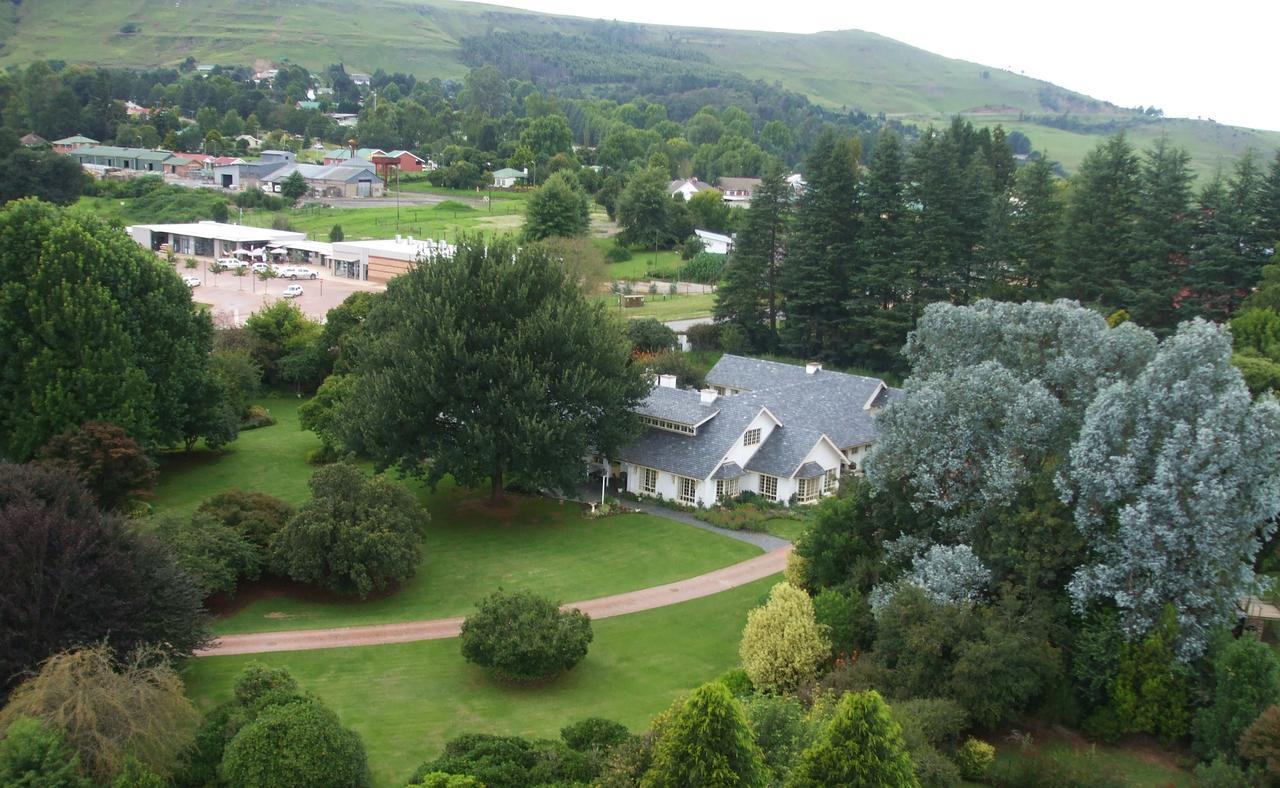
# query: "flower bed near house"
[[748, 513]]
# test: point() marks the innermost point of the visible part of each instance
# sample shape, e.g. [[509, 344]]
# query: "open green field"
[[1139, 764], [416, 185], [443, 221], [665, 307], [468, 549], [407, 700], [642, 265]]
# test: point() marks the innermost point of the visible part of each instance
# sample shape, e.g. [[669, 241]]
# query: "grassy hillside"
[[847, 68], [850, 69]]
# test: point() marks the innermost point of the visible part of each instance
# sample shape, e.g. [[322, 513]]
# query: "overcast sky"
[[1220, 62]]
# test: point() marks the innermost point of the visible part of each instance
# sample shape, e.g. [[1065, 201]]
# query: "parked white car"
[[231, 263], [292, 291], [260, 267], [191, 281], [296, 272]]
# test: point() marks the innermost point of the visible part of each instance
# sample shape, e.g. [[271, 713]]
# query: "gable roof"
[[76, 140], [694, 456], [507, 172], [738, 184], [697, 185], [400, 154], [33, 140], [679, 405]]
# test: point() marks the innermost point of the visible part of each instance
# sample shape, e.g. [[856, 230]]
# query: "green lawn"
[[665, 307], [445, 220], [468, 549], [407, 700], [421, 186], [269, 459], [642, 265], [786, 527]]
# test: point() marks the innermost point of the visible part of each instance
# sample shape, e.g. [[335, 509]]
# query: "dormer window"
[[751, 437], [669, 426]]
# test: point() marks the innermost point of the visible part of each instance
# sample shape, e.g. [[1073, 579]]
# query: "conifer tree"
[[1035, 225], [862, 747], [1100, 231], [823, 250], [878, 315], [782, 644], [707, 743], [1164, 233], [749, 297]]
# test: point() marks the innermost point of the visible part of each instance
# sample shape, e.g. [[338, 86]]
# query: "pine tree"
[[878, 314], [707, 743], [749, 296], [934, 177], [1269, 205], [1035, 226], [1163, 234], [1099, 237], [862, 747], [1215, 280], [822, 251]]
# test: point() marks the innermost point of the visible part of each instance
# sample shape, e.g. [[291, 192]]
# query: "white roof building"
[[208, 239]]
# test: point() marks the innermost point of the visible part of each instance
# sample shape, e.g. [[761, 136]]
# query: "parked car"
[[191, 281], [260, 267], [296, 272], [231, 263], [292, 291]]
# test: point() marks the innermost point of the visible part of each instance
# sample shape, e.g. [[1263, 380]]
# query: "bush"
[[707, 741], [692, 247], [704, 337], [215, 554], [257, 416], [355, 536], [258, 515], [738, 682], [862, 745], [1246, 681], [848, 619], [782, 645], [1222, 773], [446, 780], [673, 362], [705, 267], [1029, 770], [649, 335], [974, 757], [594, 733], [300, 743], [780, 728], [933, 769], [519, 635], [510, 762], [618, 253], [934, 721], [1261, 741], [34, 755], [113, 467], [336, 234]]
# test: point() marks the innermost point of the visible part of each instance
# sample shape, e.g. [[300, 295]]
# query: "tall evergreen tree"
[[823, 250], [1037, 219], [708, 743], [1215, 280], [862, 747], [1100, 234], [878, 313], [1269, 205], [749, 297], [1164, 234]]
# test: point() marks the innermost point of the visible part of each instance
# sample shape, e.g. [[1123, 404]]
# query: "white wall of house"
[[668, 486], [857, 455]]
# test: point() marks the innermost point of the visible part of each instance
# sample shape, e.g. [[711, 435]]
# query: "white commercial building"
[[208, 239]]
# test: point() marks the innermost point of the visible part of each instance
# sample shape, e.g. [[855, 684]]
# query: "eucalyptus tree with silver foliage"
[[1174, 480]]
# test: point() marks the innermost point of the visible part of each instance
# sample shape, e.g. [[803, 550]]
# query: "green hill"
[[844, 69]]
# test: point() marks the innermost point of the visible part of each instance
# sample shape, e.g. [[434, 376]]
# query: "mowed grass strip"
[[407, 700], [469, 549]]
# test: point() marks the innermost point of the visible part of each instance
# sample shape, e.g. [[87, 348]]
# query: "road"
[[710, 583]]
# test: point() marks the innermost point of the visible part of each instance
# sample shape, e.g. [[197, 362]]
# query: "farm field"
[[468, 549], [442, 221]]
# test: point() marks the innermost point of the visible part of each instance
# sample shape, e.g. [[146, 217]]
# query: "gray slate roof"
[[678, 405], [784, 450], [809, 470], [729, 470], [808, 405], [689, 455]]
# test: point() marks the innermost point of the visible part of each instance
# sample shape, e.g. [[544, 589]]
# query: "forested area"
[[853, 262]]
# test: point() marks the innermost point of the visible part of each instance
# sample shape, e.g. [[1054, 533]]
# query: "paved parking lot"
[[233, 298]]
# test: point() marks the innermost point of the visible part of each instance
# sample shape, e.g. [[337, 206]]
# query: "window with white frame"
[[688, 490], [830, 481], [769, 487], [807, 491], [649, 482], [751, 437], [726, 488]]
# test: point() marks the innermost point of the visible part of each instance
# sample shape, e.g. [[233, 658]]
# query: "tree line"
[[843, 272]]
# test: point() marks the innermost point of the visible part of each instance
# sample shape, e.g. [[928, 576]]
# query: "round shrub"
[[618, 254], [519, 635], [974, 757], [594, 733], [297, 744]]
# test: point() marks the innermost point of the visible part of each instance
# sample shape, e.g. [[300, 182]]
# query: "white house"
[[686, 188], [782, 431], [738, 191], [714, 242], [507, 177]]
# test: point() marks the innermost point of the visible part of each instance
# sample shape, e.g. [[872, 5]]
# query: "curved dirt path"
[[710, 583]]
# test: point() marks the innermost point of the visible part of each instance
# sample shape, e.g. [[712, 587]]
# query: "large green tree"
[[1163, 233], [644, 209], [514, 371], [559, 208], [750, 296], [707, 742], [862, 747], [96, 328]]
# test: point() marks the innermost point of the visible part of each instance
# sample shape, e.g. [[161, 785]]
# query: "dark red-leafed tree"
[[112, 465]]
